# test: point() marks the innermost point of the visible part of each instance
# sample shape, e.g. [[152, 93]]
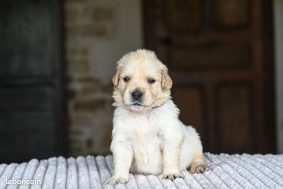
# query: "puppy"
[[147, 136]]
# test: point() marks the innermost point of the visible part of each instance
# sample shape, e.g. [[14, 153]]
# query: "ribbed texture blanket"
[[225, 171]]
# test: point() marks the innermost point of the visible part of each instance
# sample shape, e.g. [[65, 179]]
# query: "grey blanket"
[[225, 171]]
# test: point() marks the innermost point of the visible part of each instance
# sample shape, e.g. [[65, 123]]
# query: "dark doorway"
[[220, 55], [31, 78]]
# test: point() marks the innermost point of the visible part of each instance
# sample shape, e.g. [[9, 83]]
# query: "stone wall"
[[98, 33]]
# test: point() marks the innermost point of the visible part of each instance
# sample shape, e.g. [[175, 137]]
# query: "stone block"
[[89, 104]]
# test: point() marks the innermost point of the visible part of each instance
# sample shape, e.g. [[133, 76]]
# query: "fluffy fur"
[[147, 135]]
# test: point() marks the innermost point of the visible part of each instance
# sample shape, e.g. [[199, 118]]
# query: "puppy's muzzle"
[[137, 95]]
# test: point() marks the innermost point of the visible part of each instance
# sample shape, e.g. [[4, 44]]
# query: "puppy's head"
[[141, 81]]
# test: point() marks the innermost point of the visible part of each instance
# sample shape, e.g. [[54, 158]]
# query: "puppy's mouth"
[[137, 104]]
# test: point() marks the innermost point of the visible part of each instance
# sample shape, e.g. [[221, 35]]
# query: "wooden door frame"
[[278, 29], [268, 73], [59, 41]]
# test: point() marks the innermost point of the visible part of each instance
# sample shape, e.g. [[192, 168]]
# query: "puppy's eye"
[[151, 80], [126, 79]]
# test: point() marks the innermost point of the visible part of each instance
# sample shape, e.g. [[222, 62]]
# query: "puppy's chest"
[[144, 130]]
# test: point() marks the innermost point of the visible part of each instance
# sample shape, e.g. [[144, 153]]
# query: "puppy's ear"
[[116, 77], [166, 81]]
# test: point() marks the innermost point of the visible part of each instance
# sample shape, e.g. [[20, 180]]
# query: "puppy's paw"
[[171, 175], [117, 180], [198, 167]]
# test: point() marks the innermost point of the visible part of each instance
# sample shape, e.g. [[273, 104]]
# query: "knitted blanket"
[[225, 171]]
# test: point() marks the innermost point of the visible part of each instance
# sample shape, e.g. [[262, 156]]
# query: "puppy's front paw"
[[171, 175], [117, 180], [198, 167]]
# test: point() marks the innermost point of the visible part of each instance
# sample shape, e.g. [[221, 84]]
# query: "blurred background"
[[57, 59]]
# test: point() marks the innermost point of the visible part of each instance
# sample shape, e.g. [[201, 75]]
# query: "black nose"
[[136, 94]]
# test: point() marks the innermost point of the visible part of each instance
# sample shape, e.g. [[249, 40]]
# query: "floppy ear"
[[166, 81], [116, 77]]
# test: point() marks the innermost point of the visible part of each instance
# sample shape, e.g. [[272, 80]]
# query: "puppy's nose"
[[137, 94]]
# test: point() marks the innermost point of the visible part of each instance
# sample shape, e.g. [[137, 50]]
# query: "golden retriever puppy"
[[147, 136]]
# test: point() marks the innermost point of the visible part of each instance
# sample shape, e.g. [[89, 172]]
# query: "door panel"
[[235, 118], [26, 42], [26, 97], [182, 15], [224, 47], [190, 101], [30, 133], [231, 13], [210, 56]]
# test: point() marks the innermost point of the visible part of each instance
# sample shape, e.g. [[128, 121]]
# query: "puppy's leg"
[[198, 164], [171, 157], [122, 157]]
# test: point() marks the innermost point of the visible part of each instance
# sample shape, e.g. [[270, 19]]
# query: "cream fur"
[[149, 139]]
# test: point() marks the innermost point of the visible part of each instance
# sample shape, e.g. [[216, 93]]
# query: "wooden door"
[[219, 54], [31, 75]]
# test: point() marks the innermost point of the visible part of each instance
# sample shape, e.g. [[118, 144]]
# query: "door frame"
[[278, 44]]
